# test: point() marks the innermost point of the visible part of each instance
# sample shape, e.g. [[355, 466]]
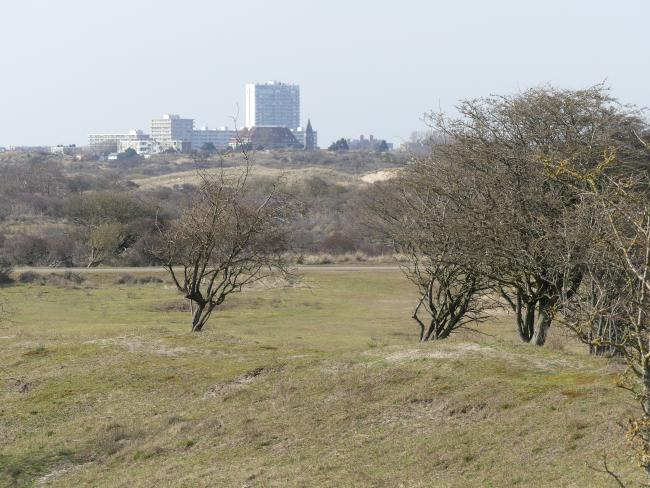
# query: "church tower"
[[310, 139]]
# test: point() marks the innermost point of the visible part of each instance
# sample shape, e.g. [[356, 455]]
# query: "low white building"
[[111, 142], [177, 133], [69, 150], [218, 137], [140, 146]]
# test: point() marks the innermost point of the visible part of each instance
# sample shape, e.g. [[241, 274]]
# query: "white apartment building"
[[272, 104], [174, 132], [170, 130], [111, 142], [219, 137], [105, 142], [140, 146]]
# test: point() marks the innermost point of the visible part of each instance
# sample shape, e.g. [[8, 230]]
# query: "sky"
[[73, 67]]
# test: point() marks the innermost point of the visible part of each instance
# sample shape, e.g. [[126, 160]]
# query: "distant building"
[[111, 142], [220, 138], [144, 146], [171, 131], [69, 150], [266, 138], [105, 142], [369, 144], [308, 137], [301, 135], [311, 138], [30, 149], [272, 104], [174, 132]]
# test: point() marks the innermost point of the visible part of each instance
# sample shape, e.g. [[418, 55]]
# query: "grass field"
[[317, 385]]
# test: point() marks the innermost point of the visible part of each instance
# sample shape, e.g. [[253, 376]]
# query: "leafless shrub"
[[66, 280], [6, 272], [611, 311], [30, 277], [228, 238], [146, 280], [179, 305], [425, 228], [484, 199], [70, 276]]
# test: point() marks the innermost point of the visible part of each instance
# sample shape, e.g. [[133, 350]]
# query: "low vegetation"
[[319, 384], [92, 213]]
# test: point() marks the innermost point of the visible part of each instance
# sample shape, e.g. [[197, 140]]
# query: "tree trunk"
[[437, 331], [446, 332], [646, 391], [530, 320], [525, 322], [527, 326], [645, 436], [197, 318], [544, 318], [431, 331]]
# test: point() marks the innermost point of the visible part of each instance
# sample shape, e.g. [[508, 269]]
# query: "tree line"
[[539, 203]]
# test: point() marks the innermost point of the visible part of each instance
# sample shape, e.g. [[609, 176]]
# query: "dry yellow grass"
[[291, 175]]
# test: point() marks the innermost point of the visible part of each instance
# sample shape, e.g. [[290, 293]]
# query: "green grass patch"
[[322, 384]]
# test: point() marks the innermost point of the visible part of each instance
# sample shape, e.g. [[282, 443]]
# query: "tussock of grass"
[[129, 279], [67, 279], [355, 258]]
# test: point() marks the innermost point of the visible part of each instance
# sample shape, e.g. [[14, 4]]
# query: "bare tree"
[[228, 238], [451, 295], [483, 206], [107, 240], [425, 228], [611, 311], [522, 220]]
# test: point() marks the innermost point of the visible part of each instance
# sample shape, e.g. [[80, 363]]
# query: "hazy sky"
[[70, 67]]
